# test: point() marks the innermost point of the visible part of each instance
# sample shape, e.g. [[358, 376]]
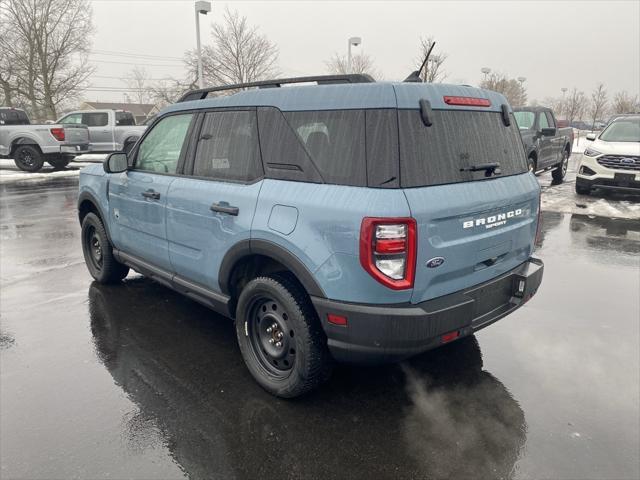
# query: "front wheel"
[[280, 337], [560, 172], [98, 252], [531, 164], [28, 158]]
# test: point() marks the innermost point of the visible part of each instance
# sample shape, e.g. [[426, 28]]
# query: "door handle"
[[224, 207], [152, 194]]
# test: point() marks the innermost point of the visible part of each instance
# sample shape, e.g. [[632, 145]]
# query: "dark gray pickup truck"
[[547, 146]]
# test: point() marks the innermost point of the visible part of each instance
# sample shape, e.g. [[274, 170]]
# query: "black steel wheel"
[[280, 337], [28, 158], [98, 252]]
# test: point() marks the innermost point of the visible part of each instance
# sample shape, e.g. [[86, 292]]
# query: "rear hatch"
[[76, 134], [471, 225]]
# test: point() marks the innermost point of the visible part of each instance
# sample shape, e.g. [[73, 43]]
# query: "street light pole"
[[204, 8], [355, 41]]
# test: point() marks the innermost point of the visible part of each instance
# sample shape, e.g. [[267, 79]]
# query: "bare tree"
[[48, 47], [433, 71], [138, 81], [575, 105], [360, 63], [239, 54], [598, 102], [168, 91], [510, 87], [623, 102]]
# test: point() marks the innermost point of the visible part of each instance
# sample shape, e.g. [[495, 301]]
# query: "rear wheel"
[[98, 252], [280, 336], [58, 162], [28, 158], [561, 171]]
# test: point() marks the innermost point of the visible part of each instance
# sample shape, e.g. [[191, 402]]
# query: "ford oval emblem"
[[435, 262]]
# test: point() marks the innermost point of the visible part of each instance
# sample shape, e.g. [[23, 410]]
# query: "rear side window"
[[13, 117], [125, 118], [335, 141], [457, 139], [98, 119], [228, 147]]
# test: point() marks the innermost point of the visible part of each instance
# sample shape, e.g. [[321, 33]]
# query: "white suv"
[[613, 160]]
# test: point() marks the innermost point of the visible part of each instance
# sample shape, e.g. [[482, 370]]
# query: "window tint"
[[13, 117], [74, 118], [550, 120], [283, 155], [161, 147], [125, 118], [382, 148], [335, 141], [456, 139], [22, 118], [525, 120], [98, 119], [543, 121], [228, 147]]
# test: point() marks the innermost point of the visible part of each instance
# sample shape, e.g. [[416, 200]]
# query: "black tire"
[[302, 360], [58, 163], [28, 158], [98, 252], [580, 190], [532, 165], [560, 172]]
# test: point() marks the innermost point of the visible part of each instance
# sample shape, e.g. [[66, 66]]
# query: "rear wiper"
[[489, 169]]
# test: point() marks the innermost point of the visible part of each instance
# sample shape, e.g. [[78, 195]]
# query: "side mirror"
[[548, 132], [591, 136], [116, 162]]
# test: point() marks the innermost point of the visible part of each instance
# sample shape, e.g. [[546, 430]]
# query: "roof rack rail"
[[202, 93]]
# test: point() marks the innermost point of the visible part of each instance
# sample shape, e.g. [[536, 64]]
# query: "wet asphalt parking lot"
[[135, 381]]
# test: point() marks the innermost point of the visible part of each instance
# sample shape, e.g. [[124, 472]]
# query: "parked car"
[[612, 161], [547, 146], [366, 222], [31, 145], [109, 130]]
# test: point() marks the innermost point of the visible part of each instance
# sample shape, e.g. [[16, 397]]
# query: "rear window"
[[13, 117], [456, 140], [335, 141]]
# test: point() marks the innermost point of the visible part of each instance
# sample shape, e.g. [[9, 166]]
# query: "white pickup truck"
[[31, 145], [109, 130]]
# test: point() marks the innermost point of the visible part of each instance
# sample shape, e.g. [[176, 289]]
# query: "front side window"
[[98, 119], [550, 121], [525, 120], [160, 149], [543, 121], [125, 118], [622, 131], [228, 147], [74, 118]]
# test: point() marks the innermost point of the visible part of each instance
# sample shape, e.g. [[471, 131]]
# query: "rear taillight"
[[58, 133], [388, 250]]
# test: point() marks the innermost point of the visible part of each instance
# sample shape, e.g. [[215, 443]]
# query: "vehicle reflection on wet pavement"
[[136, 381]]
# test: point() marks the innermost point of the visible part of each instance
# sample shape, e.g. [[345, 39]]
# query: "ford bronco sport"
[[348, 220]]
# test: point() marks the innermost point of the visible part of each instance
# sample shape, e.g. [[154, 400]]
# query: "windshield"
[[525, 120], [623, 130]]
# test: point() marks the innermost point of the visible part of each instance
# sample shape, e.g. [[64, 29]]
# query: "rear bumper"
[[387, 333], [74, 149]]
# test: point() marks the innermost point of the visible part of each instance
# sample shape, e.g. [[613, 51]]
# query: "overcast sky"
[[553, 44]]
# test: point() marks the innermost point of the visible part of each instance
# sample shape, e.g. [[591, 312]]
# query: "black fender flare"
[[272, 250], [89, 197]]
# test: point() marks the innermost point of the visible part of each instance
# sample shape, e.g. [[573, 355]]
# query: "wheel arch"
[[23, 140], [87, 203], [255, 255]]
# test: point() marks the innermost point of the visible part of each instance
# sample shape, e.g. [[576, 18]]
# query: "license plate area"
[[624, 178]]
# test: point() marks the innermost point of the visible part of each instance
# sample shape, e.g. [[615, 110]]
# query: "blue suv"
[[346, 220]]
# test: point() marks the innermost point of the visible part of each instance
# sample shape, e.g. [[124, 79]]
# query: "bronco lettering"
[[493, 220]]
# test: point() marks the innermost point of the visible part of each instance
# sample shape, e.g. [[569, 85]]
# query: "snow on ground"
[[10, 173], [563, 198]]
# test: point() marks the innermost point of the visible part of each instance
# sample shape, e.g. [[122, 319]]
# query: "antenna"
[[415, 76]]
